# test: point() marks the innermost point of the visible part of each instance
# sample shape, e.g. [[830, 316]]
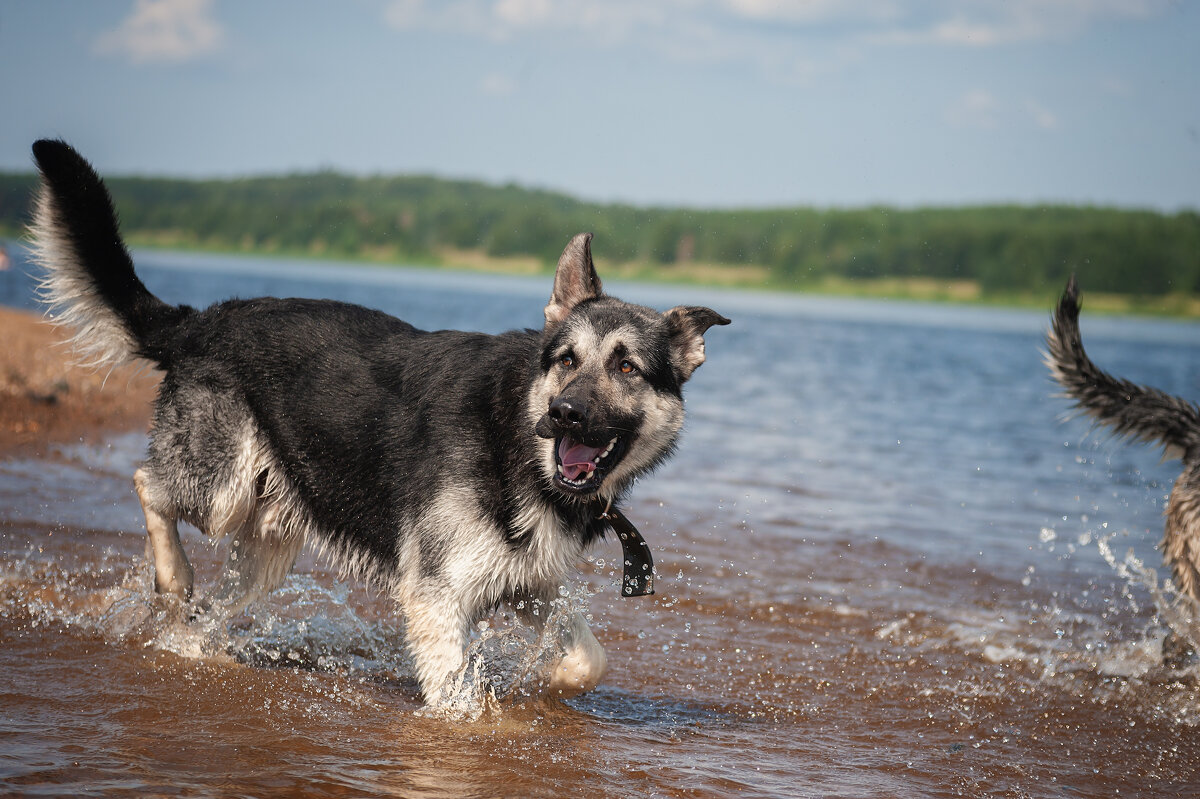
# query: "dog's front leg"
[[583, 662], [437, 636]]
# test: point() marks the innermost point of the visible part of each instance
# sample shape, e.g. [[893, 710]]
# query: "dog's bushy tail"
[[89, 283], [1141, 413]]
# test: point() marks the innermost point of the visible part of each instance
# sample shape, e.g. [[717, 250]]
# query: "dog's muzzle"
[[582, 454]]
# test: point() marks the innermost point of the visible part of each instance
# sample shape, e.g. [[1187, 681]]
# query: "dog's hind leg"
[[172, 572], [260, 557]]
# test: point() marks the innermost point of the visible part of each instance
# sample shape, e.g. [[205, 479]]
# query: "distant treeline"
[[1004, 248]]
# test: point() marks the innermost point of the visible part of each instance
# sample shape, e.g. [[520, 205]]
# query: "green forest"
[[1001, 250]]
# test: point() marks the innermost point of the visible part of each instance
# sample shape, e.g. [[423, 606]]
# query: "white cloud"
[[525, 13], [1117, 87], [496, 85], [792, 41], [405, 14], [158, 31], [975, 109], [990, 24], [1041, 116], [814, 12], [609, 20], [982, 110]]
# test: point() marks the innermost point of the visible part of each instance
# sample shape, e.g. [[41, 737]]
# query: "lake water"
[[889, 566]]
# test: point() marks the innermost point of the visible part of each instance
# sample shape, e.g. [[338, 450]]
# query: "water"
[[888, 567]]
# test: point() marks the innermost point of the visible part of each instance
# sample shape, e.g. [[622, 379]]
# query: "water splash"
[[509, 663], [1177, 611], [308, 623]]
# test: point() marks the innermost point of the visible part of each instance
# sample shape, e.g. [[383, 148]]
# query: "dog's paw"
[[580, 670]]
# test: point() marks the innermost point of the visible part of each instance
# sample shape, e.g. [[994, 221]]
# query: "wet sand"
[[45, 399]]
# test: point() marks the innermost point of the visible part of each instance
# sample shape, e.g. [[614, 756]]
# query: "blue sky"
[[694, 102]]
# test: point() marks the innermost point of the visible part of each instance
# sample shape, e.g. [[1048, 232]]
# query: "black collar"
[[639, 564]]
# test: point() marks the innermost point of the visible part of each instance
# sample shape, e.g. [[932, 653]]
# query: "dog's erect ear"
[[687, 325], [575, 280]]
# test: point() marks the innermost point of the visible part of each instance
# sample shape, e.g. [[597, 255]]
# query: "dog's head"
[[607, 402]]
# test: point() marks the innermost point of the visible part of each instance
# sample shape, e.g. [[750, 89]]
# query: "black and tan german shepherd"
[[455, 470]]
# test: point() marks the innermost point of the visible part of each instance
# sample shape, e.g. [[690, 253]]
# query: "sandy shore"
[[45, 399]]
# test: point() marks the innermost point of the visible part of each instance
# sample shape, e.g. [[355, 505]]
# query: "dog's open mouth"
[[581, 468]]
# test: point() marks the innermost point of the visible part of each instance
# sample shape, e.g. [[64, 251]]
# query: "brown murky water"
[[886, 569]]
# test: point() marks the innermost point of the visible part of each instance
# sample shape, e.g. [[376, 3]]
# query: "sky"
[[703, 103]]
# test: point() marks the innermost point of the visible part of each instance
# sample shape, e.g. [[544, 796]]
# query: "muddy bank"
[[45, 399]]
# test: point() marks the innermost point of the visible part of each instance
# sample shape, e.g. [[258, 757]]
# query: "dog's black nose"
[[568, 414]]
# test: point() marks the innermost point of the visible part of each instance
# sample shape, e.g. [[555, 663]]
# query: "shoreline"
[[747, 277], [45, 399]]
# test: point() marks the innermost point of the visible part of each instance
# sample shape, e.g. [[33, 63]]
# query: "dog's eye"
[[567, 360], [627, 367]]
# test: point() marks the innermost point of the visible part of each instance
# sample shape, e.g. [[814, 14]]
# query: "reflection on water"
[[887, 567]]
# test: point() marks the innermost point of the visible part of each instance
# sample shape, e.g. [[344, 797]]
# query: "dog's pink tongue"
[[577, 459]]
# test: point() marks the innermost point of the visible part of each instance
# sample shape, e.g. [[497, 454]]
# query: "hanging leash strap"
[[639, 564]]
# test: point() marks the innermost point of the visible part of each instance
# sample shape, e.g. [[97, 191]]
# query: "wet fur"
[[1143, 414], [424, 462]]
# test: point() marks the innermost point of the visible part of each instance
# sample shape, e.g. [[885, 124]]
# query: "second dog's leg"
[[172, 572]]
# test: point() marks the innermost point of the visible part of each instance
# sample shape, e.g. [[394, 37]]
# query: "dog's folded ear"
[[687, 325], [575, 280]]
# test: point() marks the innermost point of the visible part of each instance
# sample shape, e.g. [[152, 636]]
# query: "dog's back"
[[1142, 413]]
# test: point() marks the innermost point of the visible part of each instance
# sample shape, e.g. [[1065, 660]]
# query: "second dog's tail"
[[1141, 413], [89, 283]]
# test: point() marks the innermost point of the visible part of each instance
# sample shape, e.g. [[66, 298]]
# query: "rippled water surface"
[[888, 567]]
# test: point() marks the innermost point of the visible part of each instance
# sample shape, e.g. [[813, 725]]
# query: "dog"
[[457, 471], [1143, 414]]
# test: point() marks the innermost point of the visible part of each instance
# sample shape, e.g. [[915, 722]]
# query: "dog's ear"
[[687, 325], [575, 280]]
